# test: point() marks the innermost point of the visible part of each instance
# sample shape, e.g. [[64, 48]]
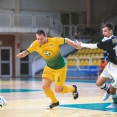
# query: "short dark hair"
[[39, 32], [109, 25]]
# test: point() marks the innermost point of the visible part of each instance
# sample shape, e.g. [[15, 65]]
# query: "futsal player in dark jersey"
[[109, 44]]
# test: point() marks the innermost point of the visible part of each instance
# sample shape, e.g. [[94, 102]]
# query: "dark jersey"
[[110, 45]]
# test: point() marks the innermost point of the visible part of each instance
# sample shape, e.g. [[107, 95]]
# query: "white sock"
[[104, 85]]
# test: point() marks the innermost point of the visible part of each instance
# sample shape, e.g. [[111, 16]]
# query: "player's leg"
[[46, 83], [110, 72], [102, 79], [113, 105], [107, 94], [60, 87], [104, 87], [101, 82], [113, 88]]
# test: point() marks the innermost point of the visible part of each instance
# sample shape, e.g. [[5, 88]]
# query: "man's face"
[[41, 38], [106, 32]]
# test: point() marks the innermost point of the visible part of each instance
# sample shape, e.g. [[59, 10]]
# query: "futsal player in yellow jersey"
[[56, 68]]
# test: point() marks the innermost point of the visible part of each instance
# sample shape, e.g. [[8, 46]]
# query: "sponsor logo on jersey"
[[114, 41], [47, 53]]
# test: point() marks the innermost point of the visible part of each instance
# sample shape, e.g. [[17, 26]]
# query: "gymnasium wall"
[[45, 5], [54, 8], [99, 8]]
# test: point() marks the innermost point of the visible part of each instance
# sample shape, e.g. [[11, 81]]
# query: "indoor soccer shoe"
[[75, 93], [112, 106], [105, 97], [52, 105]]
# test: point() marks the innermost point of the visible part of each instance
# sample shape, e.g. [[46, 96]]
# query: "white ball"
[[3, 102]]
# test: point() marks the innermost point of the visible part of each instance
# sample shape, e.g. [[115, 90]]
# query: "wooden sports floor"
[[25, 98]]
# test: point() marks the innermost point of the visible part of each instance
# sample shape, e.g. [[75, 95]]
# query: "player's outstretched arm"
[[22, 54], [91, 46], [82, 45], [76, 44]]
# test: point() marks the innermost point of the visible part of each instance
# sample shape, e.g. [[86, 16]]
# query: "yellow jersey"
[[49, 51]]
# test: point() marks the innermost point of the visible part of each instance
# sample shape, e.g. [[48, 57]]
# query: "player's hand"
[[78, 45], [20, 55]]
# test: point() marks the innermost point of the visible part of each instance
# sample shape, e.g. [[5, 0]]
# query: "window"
[[24, 65]]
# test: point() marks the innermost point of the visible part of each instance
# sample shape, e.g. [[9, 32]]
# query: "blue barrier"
[[83, 72]]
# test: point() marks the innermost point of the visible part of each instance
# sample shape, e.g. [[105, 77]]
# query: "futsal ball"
[[3, 102]]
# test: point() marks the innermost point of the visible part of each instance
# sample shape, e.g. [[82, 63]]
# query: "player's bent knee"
[[45, 88], [58, 89], [98, 84]]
